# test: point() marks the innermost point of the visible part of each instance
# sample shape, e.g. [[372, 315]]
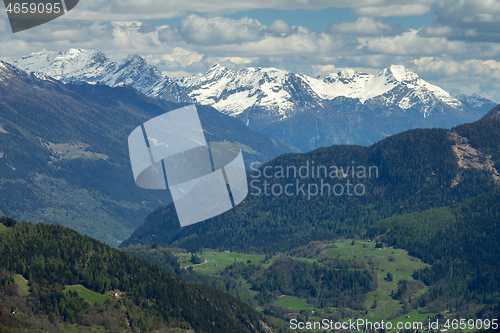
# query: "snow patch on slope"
[[365, 86], [234, 92], [89, 65]]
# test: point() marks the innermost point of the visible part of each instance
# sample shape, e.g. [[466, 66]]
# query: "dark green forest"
[[51, 257], [461, 242], [319, 284], [417, 170]]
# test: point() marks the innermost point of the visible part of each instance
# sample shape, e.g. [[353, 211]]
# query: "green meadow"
[[88, 295], [218, 261], [22, 285], [379, 303]]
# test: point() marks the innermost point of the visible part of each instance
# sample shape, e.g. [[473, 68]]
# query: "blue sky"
[[454, 44], [318, 20], [314, 20]]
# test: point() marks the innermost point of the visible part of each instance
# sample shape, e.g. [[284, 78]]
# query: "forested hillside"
[[415, 171], [461, 242], [64, 154], [52, 257]]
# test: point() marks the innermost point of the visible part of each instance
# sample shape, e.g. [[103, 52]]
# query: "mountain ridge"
[[64, 156], [80, 64], [280, 103], [493, 113], [419, 169]]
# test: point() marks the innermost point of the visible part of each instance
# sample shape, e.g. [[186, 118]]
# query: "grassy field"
[[397, 262], [401, 267], [294, 303], [70, 328], [72, 150], [88, 295], [22, 284], [412, 317], [2, 227], [218, 262]]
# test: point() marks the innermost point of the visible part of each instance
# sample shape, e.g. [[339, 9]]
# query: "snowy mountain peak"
[[92, 66], [64, 59], [217, 67], [217, 71], [3, 65], [347, 74], [88, 65], [11, 75], [475, 101], [78, 53], [5, 71], [400, 73], [278, 92], [133, 59]]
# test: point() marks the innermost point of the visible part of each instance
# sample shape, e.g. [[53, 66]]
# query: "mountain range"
[[64, 160], [347, 107], [64, 157]]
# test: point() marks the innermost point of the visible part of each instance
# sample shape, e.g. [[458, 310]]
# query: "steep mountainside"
[[64, 155], [494, 113], [344, 107], [349, 188]]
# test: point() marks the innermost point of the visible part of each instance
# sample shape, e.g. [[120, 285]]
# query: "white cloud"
[[466, 76], [468, 20], [126, 10], [280, 27], [412, 44], [237, 60], [296, 45], [459, 51], [182, 56], [395, 10], [362, 26], [219, 30]]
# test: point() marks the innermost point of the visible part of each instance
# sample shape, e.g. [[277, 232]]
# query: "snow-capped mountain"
[[87, 65], [272, 100], [92, 66], [284, 93], [280, 92], [476, 102], [395, 86]]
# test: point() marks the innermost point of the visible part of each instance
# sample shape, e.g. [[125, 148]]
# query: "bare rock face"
[[469, 157]]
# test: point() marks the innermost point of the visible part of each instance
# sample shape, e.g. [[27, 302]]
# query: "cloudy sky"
[[452, 43]]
